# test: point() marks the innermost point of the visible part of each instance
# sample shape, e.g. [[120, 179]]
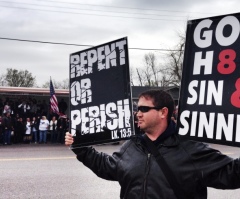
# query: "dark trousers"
[[7, 136], [53, 136], [61, 136]]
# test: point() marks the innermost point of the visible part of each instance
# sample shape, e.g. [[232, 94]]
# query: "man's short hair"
[[161, 99]]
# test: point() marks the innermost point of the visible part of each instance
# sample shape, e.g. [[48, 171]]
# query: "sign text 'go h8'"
[[209, 108], [100, 95]]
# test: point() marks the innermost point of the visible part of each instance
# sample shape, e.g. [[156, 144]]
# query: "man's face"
[[148, 121]]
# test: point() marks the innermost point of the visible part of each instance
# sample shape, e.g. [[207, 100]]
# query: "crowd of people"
[[26, 120]]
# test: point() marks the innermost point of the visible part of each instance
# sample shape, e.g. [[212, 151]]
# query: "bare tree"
[[64, 84], [21, 78], [149, 74], [150, 61], [131, 76], [172, 72], [139, 74], [169, 74], [3, 80]]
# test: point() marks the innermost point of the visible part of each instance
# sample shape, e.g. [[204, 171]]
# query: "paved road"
[[52, 172]]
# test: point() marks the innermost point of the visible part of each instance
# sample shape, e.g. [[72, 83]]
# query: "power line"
[[102, 15], [45, 42], [58, 43], [122, 7], [106, 11]]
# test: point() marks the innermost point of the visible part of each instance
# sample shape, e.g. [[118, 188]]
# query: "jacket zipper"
[[146, 175]]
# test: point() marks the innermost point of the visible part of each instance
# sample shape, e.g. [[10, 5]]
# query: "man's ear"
[[164, 111]]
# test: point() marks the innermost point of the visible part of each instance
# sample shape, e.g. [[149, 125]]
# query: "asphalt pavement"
[[33, 171]]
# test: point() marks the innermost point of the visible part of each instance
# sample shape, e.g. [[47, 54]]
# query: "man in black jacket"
[[194, 165], [7, 128]]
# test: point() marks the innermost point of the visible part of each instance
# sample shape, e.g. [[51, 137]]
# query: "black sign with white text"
[[209, 107], [100, 95]]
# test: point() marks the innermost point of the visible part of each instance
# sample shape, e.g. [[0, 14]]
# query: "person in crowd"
[[17, 116], [67, 124], [24, 109], [34, 129], [175, 114], [1, 106], [159, 164], [7, 128], [7, 108], [43, 128], [19, 130], [1, 131], [62, 105], [44, 107], [15, 103], [27, 136], [33, 108], [136, 127], [61, 129], [53, 129], [13, 111], [39, 107], [13, 122]]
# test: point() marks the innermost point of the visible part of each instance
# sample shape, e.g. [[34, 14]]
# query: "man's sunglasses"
[[145, 109]]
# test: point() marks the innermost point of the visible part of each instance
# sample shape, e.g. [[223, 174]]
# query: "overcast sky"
[[148, 24]]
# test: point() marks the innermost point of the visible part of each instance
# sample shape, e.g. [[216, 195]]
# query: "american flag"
[[53, 99]]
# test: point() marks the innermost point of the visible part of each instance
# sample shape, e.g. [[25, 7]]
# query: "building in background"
[[40, 94]]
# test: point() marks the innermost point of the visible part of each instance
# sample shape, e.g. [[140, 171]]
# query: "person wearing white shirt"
[[53, 129], [27, 135], [35, 126], [43, 128]]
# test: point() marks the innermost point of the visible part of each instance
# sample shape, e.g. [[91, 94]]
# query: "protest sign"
[[100, 94], [209, 107]]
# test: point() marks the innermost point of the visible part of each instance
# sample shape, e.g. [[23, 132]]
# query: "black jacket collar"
[[171, 130], [168, 138]]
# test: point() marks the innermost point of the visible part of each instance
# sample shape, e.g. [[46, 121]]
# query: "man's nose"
[[139, 114]]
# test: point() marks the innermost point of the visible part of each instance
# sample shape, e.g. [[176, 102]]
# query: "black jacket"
[[35, 124], [61, 125], [6, 123], [195, 165]]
